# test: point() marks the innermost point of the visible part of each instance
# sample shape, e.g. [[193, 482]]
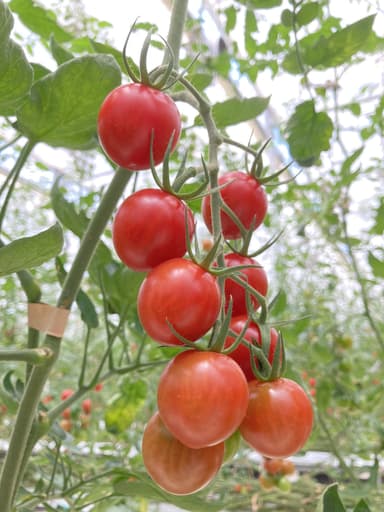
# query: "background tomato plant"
[[327, 266]]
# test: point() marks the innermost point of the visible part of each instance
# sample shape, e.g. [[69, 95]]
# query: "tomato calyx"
[[155, 79]]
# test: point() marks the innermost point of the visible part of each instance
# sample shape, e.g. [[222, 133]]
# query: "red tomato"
[[279, 418], [99, 386], [241, 354], [182, 293], [202, 397], [149, 228], [86, 405], [66, 414], [273, 466], [175, 467], [128, 117], [66, 425], [245, 197], [254, 276], [66, 393]]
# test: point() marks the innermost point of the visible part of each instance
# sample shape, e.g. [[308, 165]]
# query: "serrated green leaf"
[[32, 251], [250, 28], [238, 110], [338, 48], [124, 407], [307, 13], [376, 265], [231, 16], [63, 106], [309, 132], [140, 485], [39, 71], [200, 80], [39, 20], [330, 500]]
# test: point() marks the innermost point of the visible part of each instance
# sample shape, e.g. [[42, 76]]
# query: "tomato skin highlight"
[[182, 293], [127, 118], [241, 354], [255, 276], [149, 228], [202, 397], [175, 467], [279, 418], [245, 196]]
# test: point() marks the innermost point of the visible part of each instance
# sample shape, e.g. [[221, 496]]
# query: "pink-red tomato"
[[279, 418], [86, 405], [202, 397], [175, 467], [181, 293], [128, 117], [255, 276], [149, 228], [241, 354], [245, 196], [66, 393]]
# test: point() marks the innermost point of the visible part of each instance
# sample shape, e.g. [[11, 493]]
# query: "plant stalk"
[[176, 28]]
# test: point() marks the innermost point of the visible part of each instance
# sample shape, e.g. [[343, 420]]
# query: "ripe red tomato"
[[255, 276], [182, 293], [128, 117], [202, 397], [149, 228], [245, 197], [67, 413], [241, 354], [175, 467], [279, 418], [86, 405], [66, 393]]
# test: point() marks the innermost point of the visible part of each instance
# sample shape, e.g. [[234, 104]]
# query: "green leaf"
[[39, 71], [124, 407], [40, 20], [362, 507], [376, 264], [378, 227], [140, 485], [250, 29], [66, 212], [16, 73], [231, 16], [29, 252], [287, 18], [330, 500], [261, 4], [238, 110], [309, 132], [59, 53], [339, 47], [63, 106], [307, 13]]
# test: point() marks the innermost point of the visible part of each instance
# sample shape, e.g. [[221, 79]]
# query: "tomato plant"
[[129, 117], [181, 293], [175, 467], [86, 405], [202, 397], [245, 196], [149, 228], [241, 354], [255, 276], [279, 418]]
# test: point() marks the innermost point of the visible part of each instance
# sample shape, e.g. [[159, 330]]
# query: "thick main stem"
[[21, 442], [176, 28]]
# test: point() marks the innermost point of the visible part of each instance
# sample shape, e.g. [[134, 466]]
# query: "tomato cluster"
[[208, 398]]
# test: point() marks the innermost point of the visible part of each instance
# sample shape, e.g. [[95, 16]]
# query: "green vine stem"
[[14, 175], [176, 28], [34, 356], [24, 436]]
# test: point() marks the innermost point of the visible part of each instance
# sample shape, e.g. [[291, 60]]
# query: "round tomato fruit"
[[202, 397], [245, 196], [241, 354], [279, 418], [175, 467], [179, 293], [129, 117], [255, 276], [149, 228]]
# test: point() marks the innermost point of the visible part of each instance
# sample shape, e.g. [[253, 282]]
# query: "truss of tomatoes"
[[207, 401]]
